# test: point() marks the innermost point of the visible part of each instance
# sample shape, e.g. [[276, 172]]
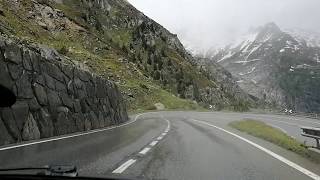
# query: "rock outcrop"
[[115, 40], [53, 97], [275, 66]]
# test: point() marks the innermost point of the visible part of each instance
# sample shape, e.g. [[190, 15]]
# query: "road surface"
[[173, 145]]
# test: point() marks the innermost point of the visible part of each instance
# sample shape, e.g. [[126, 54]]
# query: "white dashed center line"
[[153, 143], [159, 138], [124, 166], [145, 150]]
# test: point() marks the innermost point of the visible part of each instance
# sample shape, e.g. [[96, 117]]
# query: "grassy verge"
[[145, 99], [273, 135]]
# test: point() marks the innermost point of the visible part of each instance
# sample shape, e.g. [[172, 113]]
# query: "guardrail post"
[[312, 132]]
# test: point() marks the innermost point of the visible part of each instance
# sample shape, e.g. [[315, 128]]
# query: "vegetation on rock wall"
[[115, 40]]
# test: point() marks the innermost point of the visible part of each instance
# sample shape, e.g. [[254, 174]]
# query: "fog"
[[202, 24]]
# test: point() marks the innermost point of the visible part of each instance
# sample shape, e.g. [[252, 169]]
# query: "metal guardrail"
[[308, 115], [312, 132]]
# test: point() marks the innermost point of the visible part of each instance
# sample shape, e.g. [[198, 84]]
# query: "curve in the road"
[[144, 151], [69, 136], [274, 155]]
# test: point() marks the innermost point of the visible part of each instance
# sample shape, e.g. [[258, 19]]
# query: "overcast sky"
[[205, 23]]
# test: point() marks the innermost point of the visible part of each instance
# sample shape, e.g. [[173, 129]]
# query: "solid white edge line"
[[145, 150], [163, 134], [274, 155], [70, 136], [124, 166], [284, 122], [153, 143]]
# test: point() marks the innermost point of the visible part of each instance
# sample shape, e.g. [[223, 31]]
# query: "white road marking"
[[293, 118], [153, 143], [318, 123], [124, 166], [159, 138], [277, 127], [284, 122], [274, 155], [163, 134], [69, 136], [144, 151]]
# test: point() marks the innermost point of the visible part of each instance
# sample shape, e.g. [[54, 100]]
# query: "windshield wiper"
[[52, 170]]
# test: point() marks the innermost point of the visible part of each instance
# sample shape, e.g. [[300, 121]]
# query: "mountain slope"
[[275, 66], [115, 40]]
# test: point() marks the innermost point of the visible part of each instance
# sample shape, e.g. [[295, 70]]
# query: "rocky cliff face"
[[116, 41], [53, 96], [277, 67], [228, 83]]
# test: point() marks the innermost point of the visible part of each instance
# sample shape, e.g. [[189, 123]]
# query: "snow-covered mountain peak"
[[311, 38], [277, 66]]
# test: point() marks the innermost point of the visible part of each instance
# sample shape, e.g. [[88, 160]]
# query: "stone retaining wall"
[[53, 98]]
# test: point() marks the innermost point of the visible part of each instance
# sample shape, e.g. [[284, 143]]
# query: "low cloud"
[[203, 24]]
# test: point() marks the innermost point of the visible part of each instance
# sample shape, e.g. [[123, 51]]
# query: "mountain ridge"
[[115, 40], [273, 65]]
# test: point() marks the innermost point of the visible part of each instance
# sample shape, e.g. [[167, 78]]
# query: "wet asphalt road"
[[190, 150]]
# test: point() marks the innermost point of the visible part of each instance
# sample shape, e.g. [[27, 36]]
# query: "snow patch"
[[247, 61], [311, 39], [249, 72], [247, 41], [253, 50], [317, 58], [226, 56]]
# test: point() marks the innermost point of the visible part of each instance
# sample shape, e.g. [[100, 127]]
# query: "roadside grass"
[[145, 100], [261, 130]]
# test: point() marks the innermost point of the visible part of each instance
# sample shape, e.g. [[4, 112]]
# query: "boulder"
[[50, 82], [33, 104], [101, 120], [44, 123], [80, 121], [53, 99], [60, 87], [159, 106], [94, 120], [15, 70], [5, 78], [66, 100], [49, 53], [40, 94], [12, 53], [77, 106], [20, 112], [35, 61], [24, 89], [30, 129], [10, 123], [87, 123], [26, 61], [5, 137]]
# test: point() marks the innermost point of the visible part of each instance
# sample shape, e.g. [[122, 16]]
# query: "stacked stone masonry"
[[53, 98]]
